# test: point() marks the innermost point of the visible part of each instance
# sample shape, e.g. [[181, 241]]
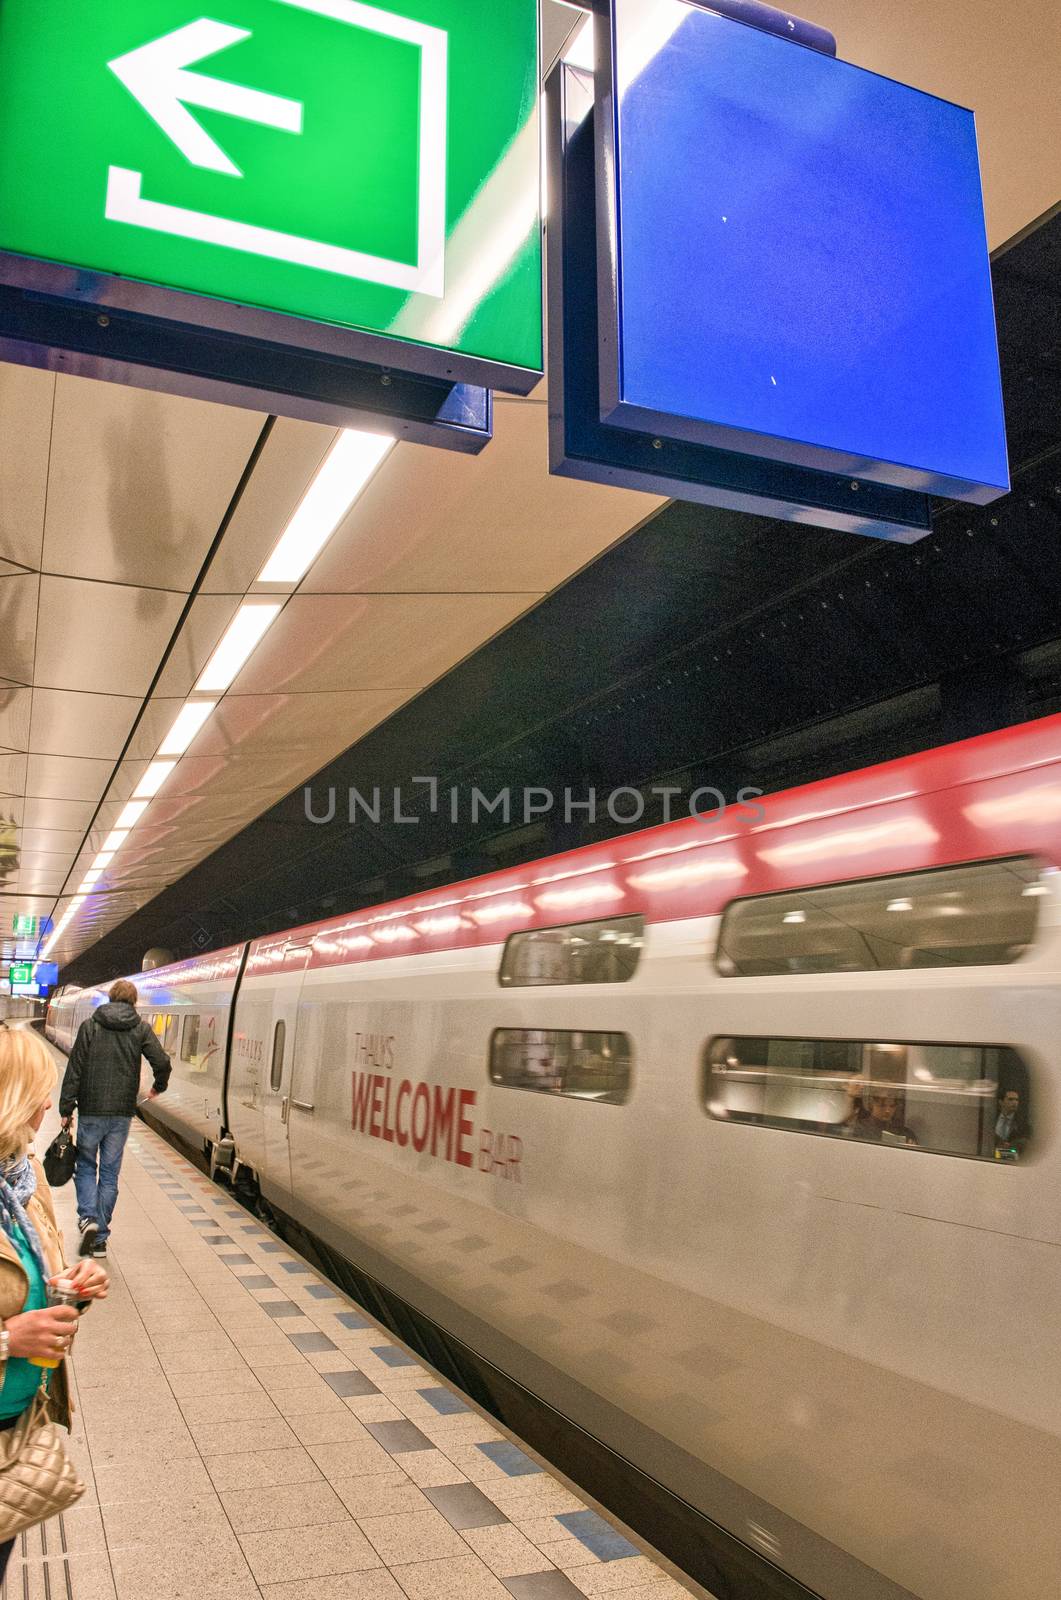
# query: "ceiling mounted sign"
[[785, 290], [355, 181]]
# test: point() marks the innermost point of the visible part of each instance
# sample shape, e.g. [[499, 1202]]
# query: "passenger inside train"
[[1012, 1131], [879, 1118]]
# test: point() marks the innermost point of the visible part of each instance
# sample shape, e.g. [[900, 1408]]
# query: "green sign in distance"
[[372, 166], [21, 974], [23, 923]]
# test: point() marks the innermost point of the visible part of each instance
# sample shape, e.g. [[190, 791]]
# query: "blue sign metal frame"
[[582, 446], [792, 256]]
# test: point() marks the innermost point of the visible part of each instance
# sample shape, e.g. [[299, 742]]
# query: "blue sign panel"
[[793, 257], [581, 446]]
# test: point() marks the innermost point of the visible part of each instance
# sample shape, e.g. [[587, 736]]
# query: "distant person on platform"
[[101, 1082]]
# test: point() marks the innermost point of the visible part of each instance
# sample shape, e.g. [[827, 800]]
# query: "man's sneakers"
[[89, 1231], [99, 1250]]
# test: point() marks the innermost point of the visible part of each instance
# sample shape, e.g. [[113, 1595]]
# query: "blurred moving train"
[[733, 1143]]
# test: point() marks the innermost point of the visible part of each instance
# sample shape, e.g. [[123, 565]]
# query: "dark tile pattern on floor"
[[267, 1457]]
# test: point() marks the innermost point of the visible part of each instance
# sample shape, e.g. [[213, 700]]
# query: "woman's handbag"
[[37, 1477], [59, 1159]]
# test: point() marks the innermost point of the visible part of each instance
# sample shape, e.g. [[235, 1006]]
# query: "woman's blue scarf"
[[18, 1185]]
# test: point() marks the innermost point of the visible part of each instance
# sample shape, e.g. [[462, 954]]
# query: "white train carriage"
[[732, 1143]]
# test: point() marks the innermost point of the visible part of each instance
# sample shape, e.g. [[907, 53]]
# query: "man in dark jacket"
[[102, 1079]]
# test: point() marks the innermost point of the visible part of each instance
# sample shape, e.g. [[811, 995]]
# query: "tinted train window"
[[276, 1069], [954, 1099], [586, 952], [584, 1066], [169, 1043], [979, 915], [190, 1041]]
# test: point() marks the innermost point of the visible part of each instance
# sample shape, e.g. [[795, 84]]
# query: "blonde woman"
[[31, 1246]]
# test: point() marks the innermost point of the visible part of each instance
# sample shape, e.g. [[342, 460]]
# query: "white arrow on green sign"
[[371, 166], [157, 75]]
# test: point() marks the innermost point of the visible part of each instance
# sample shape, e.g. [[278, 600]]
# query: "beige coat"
[[14, 1284]]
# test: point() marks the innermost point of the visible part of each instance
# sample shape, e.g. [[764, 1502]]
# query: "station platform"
[[244, 1429]]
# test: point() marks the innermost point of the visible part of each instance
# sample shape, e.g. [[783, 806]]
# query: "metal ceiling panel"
[[125, 780], [241, 772], [15, 706], [76, 615], [210, 615], [66, 777], [292, 454], [155, 722], [18, 626], [30, 860], [68, 815], [277, 724], [434, 522], [41, 883], [25, 416], [12, 774], [65, 722], [139, 482], [326, 642], [46, 841]]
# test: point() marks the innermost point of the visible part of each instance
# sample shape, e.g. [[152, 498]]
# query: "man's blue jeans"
[[101, 1138]]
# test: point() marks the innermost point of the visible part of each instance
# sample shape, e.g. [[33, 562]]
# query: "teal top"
[[21, 1378]]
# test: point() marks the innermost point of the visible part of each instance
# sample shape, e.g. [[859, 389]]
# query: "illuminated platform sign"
[[21, 974], [786, 297], [355, 180]]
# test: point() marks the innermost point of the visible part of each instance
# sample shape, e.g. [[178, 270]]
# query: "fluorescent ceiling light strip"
[[132, 814], [189, 720], [239, 640], [104, 859], [153, 779], [344, 473], [115, 840]]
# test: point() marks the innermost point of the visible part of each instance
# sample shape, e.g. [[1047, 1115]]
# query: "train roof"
[[904, 815]]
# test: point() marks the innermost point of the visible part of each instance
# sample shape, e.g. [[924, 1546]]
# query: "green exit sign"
[[21, 974], [371, 169], [25, 926]]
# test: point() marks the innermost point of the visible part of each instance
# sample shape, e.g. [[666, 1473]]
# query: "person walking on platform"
[[101, 1082]]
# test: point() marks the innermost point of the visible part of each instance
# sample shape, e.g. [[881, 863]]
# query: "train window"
[[169, 1042], [983, 914], [190, 1051], [583, 1066], [952, 1099], [585, 952], [276, 1069]]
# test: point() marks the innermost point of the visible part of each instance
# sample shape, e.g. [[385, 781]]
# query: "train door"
[[278, 1083]]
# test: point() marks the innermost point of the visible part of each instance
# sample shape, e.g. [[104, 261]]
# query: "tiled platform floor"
[[245, 1430]]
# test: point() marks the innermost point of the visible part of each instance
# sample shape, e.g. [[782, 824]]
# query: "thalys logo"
[[433, 1120]]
